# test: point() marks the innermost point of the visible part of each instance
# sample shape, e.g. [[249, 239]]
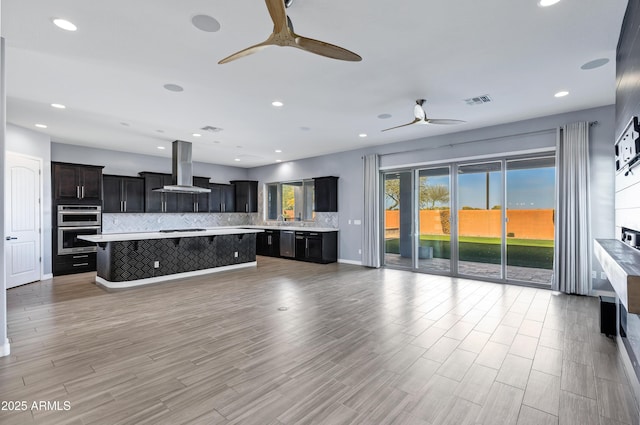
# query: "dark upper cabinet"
[[246, 195], [172, 202], [201, 200], [326, 194], [222, 198], [76, 183], [123, 194]]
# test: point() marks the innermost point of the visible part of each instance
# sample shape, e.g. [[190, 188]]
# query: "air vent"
[[478, 100], [211, 129]]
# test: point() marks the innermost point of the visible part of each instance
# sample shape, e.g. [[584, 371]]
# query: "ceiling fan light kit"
[[283, 35], [421, 117]]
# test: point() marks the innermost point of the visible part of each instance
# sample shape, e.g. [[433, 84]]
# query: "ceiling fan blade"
[[443, 121], [416, 121], [246, 52], [278, 14], [326, 49]]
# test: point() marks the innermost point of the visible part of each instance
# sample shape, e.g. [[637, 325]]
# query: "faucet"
[[279, 217]]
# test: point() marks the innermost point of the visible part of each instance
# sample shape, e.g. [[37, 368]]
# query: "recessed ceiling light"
[[237, 159], [173, 87], [277, 104], [278, 150], [64, 24], [205, 23], [384, 116], [161, 148], [197, 135], [58, 106], [41, 126], [561, 94], [596, 63], [362, 135], [546, 3]]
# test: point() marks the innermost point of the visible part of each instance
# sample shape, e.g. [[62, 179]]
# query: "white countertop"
[[294, 228], [114, 237]]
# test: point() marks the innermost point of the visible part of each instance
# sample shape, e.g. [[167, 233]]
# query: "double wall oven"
[[74, 255]]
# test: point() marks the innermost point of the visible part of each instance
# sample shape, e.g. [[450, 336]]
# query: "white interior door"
[[22, 215]]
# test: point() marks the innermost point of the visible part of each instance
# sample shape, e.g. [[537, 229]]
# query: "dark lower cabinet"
[[268, 243], [74, 263], [317, 247]]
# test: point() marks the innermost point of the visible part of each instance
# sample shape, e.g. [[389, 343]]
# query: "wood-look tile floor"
[[354, 346]]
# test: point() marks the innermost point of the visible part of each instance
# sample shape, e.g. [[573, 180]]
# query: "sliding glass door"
[[530, 219], [494, 220], [480, 220], [434, 220]]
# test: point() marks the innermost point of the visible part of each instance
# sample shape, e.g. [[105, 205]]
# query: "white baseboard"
[[47, 276], [6, 349], [355, 263], [140, 282]]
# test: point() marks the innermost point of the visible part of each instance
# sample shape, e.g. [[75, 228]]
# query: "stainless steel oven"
[[79, 215], [68, 242]]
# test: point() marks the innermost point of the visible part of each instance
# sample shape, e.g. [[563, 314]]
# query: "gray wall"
[[130, 164], [32, 143], [507, 138]]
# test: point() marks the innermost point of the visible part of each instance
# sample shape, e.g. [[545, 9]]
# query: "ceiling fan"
[[283, 35], [421, 117]]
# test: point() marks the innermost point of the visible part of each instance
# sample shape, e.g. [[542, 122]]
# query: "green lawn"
[[520, 252]]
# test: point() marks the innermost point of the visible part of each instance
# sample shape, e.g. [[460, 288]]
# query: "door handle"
[[82, 192], [125, 206], [11, 238], [78, 192]]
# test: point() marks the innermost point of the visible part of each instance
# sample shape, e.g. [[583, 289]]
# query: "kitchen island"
[[126, 260]]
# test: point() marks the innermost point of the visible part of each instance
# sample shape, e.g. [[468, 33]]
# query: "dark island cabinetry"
[[76, 183], [326, 194], [123, 194], [246, 195]]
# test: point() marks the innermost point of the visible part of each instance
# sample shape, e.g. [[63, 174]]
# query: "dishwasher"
[[287, 243]]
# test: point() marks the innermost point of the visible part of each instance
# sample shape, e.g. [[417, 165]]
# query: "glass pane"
[[272, 198], [434, 247], [479, 220], [530, 219], [397, 219], [309, 197]]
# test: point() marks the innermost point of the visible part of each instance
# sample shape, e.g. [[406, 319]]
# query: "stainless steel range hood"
[[182, 171]]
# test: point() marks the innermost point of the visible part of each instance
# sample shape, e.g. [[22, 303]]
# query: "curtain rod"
[[546, 130]]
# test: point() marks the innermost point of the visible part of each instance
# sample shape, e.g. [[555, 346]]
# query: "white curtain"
[[572, 254], [371, 218]]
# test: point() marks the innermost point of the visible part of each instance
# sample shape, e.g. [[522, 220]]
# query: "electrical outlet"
[[357, 222], [594, 274], [603, 276], [349, 221], [359, 251], [235, 254], [156, 264]]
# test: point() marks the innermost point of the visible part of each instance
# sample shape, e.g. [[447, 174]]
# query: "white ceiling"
[[113, 69]]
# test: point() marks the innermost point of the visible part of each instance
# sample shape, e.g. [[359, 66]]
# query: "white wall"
[[513, 137], [35, 144]]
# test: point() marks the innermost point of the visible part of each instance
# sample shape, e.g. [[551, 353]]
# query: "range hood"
[[182, 171]]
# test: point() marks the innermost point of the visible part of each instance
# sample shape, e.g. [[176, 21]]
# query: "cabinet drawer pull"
[[81, 256], [80, 264]]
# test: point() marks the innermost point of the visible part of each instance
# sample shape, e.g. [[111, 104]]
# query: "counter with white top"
[[294, 228], [126, 260]]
